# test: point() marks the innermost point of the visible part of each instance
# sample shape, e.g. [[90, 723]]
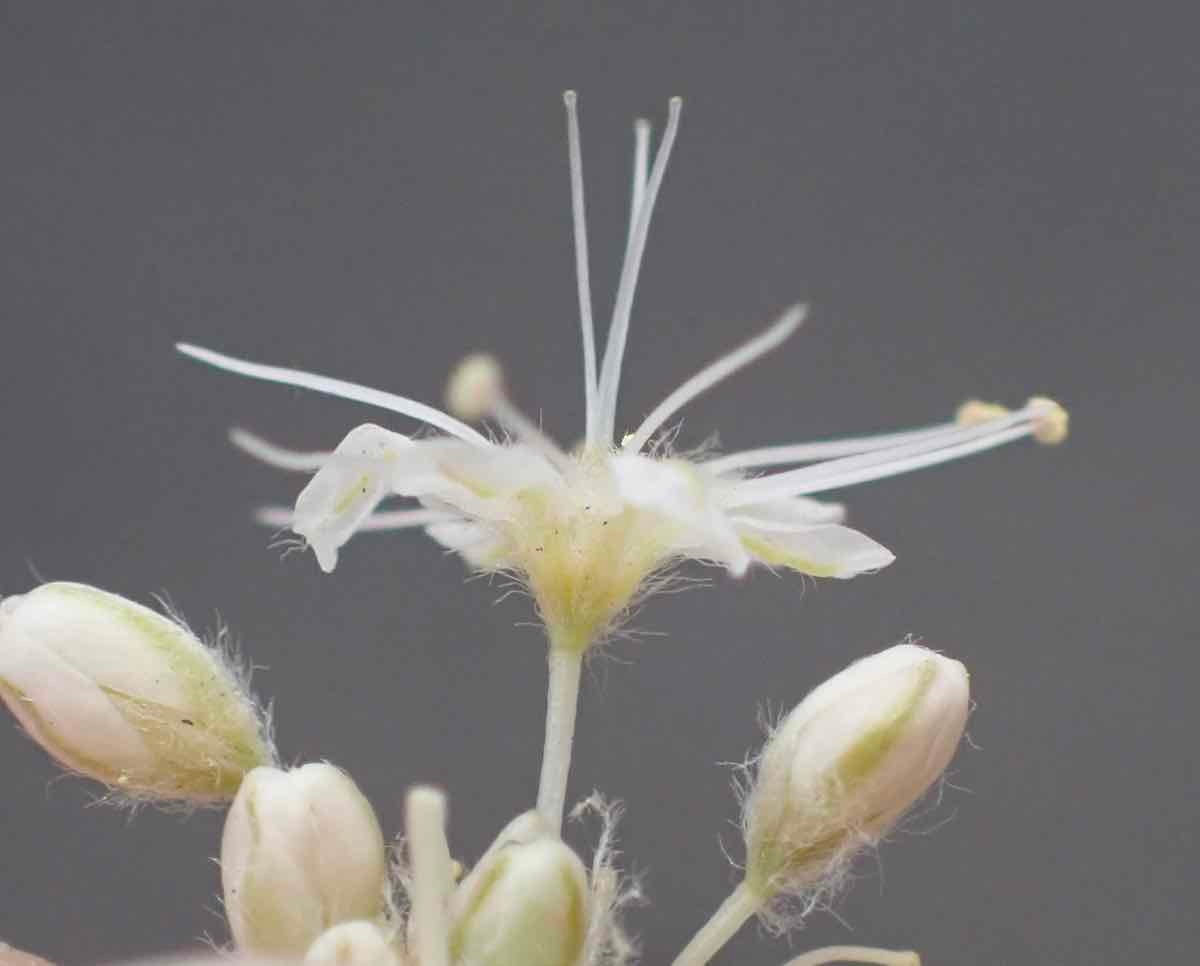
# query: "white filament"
[[280, 517], [822, 450], [714, 372], [339, 388], [582, 274], [618, 332], [877, 465], [280, 457], [641, 171], [856, 954]]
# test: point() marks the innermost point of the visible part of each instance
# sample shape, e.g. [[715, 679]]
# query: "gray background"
[[985, 199]]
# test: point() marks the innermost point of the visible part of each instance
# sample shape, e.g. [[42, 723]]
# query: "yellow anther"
[[1050, 420], [975, 411], [475, 386]]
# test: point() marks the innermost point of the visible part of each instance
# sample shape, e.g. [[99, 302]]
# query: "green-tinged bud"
[[302, 851], [358, 943], [524, 904], [849, 761], [121, 694]]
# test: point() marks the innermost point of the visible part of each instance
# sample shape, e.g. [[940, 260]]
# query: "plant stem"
[[856, 954], [730, 916], [562, 699]]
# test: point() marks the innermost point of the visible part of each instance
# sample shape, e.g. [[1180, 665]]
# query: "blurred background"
[[978, 199]]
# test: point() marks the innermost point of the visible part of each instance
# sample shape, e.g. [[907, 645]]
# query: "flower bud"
[[301, 851], [524, 904], [121, 694], [849, 761], [357, 943]]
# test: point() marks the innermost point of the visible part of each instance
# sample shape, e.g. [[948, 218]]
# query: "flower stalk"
[[562, 702]]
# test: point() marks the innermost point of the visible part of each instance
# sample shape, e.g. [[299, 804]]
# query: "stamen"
[[339, 388], [714, 372], [610, 375], [1050, 421], [582, 276], [476, 390], [641, 171], [928, 451], [280, 457], [856, 954], [973, 412], [820, 450], [280, 517]]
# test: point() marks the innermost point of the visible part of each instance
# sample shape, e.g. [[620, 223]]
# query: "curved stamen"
[[610, 374], [714, 372], [280, 517], [582, 274], [856, 954], [827, 449], [339, 388], [894, 460], [280, 457]]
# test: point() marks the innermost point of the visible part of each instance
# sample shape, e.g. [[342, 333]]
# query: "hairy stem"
[[731, 915], [562, 699]]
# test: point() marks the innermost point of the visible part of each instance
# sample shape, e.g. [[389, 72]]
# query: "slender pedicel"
[[432, 873], [610, 374], [714, 372], [582, 274], [337, 387], [1043, 419], [562, 702]]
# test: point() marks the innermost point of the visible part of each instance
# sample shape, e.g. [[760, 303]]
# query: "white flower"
[[586, 527]]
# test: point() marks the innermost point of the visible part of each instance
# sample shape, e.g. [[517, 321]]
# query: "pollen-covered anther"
[[975, 412], [1050, 421], [475, 386]]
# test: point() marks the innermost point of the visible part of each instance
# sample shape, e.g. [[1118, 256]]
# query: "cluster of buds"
[[125, 696]]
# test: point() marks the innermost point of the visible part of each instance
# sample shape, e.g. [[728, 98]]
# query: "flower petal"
[[477, 544], [346, 490], [822, 551], [676, 492]]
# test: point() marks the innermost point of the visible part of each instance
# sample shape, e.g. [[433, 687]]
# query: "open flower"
[[586, 527]]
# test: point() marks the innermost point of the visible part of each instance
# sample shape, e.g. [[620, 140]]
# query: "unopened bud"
[[121, 694], [475, 385], [301, 851], [524, 904], [849, 761], [358, 943]]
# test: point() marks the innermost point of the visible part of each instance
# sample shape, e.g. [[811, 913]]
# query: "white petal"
[[346, 490], [793, 511], [823, 551], [474, 542], [675, 491]]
